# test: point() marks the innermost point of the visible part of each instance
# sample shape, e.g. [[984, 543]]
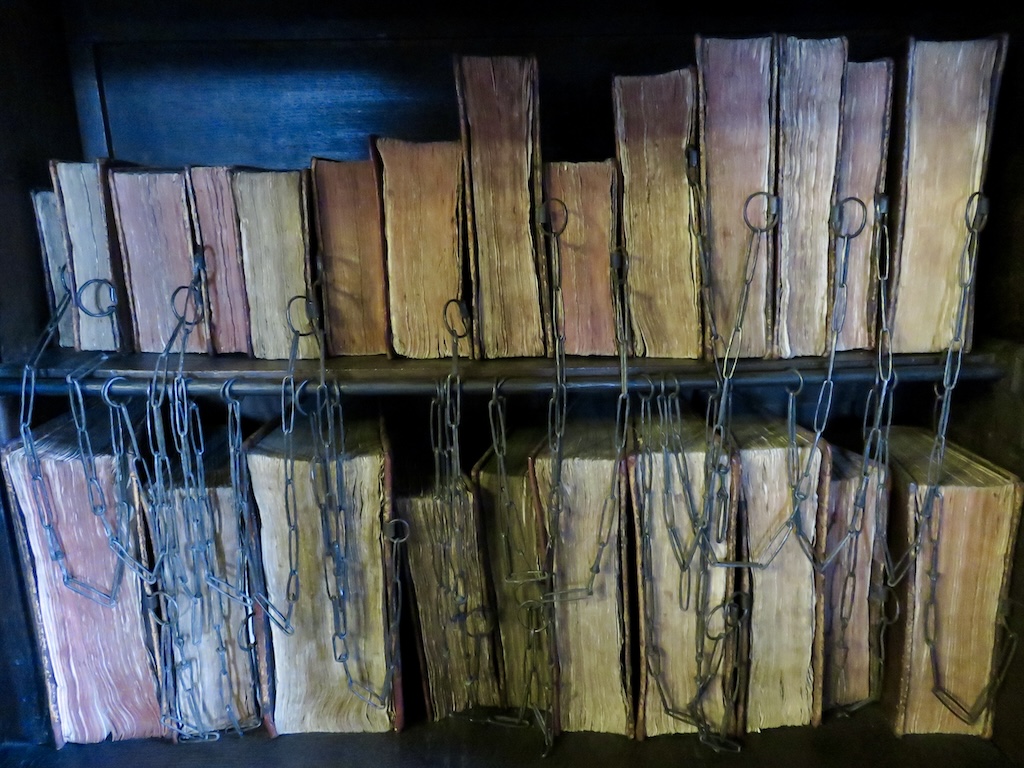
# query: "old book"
[[738, 121], [54, 247], [953, 592], [948, 94], [500, 121], [787, 591], [452, 593], [863, 158], [309, 669], [685, 601], [585, 530], [582, 201], [216, 230], [858, 507], [196, 537], [102, 321], [422, 188], [90, 621], [272, 217], [655, 122], [350, 236], [811, 77], [516, 546], [154, 230]]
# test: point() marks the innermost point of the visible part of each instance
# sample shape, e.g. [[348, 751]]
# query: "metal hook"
[[311, 315], [799, 386], [105, 392], [227, 393]]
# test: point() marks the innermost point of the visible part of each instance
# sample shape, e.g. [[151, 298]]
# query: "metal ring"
[[546, 223], [197, 302], [463, 317], [836, 220], [976, 222], [799, 386], [392, 528], [113, 297], [772, 215]]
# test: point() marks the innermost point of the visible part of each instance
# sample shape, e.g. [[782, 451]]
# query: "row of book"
[[747, 189], [588, 583]]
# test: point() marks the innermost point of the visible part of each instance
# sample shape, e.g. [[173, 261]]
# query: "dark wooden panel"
[[861, 740]]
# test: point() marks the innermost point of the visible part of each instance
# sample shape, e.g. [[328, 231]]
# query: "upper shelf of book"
[[378, 375]]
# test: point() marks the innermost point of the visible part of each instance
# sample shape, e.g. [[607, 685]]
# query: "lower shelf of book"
[[858, 740]]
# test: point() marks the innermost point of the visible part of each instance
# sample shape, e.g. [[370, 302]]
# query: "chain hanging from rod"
[[874, 468], [928, 512], [451, 507], [117, 533], [192, 590]]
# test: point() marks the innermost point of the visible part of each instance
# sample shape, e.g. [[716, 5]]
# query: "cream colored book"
[[967, 548], [309, 683], [655, 120]]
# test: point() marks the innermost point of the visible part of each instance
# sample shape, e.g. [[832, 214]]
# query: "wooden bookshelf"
[[91, 78]]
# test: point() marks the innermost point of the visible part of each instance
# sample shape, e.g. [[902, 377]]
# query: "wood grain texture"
[[516, 547], [590, 634], [863, 155], [311, 688], [216, 226], [155, 234], [785, 629], [84, 200], [272, 218], [738, 140], [422, 188], [589, 192], [53, 243], [853, 580], [456, 617], [498, 107], [655, 119], [350, 234], [660, 464], [976, 522], [951, 89], [811, 76], [102, 682]]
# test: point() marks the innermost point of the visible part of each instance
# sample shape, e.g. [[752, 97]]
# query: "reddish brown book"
[[349, 227], [498, 106], [154, 229], [864, 151], [811, 77], [738, 143], [582, 200], [98, 667], [422, 186], [216, 228]]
